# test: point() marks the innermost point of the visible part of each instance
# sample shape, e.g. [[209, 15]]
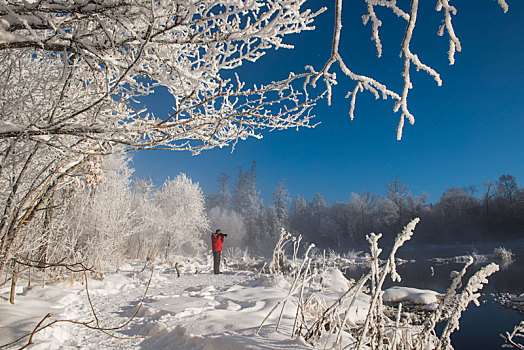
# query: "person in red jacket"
[[217, 239]]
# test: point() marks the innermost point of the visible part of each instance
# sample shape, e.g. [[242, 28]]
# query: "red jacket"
[[216, 242]]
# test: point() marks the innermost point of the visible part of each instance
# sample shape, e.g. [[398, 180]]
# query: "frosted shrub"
[[182, 216], [278, 262], [461, 302], [352, 255], [504, 255], [342, 261], [301, 273], [240, 259], [337, 325]]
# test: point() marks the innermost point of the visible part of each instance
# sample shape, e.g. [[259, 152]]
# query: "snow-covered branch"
[[100, 57], [74, 77], [518, 332]]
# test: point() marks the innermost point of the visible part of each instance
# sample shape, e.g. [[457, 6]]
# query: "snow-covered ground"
[[199, 310]]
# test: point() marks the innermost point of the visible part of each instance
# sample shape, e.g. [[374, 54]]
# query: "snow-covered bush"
[[240, 259], [279, 263], [504, 255], [90, 225], [182, 217], [477, 257], [143, 242], [339, 325]]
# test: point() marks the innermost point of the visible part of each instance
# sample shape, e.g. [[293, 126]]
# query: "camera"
[[222, 234]]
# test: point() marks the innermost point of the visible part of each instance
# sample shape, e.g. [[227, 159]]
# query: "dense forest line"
[[110, 217], [463, 215]]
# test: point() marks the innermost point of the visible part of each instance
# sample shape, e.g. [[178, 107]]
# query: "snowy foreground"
[[199, 310]]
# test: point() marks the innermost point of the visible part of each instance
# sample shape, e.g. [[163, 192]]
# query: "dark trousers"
[[216, 262]]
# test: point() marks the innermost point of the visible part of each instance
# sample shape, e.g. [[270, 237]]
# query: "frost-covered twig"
[[428, 333], [300, 277], [334, 318], [409, 58], [461, 302], [397, 326], [454, 42], [330, 315], [373, 85], [276, 265], [379, 274], [301, 274], [363, 82], [518, 332]]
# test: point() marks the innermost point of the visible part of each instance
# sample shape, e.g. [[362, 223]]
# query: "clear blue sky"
[[466, 132]]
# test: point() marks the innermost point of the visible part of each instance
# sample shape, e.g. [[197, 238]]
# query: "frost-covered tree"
[[280, 205], [340, 219], [222, 199], [505, 195], [318, 209], [246, 199], [90, 225], [388, 212], [109, 222], [416, 205], [298, 219], [247, 203], [362, 210], [397, 193], [222, 215], [72, 74], [456, 203], [182, 216], [143, 242], [507, 187]]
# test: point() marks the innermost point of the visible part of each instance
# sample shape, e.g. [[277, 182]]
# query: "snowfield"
[[199, 310], [153, 308]]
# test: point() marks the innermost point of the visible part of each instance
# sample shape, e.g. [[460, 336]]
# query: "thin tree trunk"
[[42, 258], [13, 284], [47, 187]]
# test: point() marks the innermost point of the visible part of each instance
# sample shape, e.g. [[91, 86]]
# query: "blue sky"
[[466, 132]]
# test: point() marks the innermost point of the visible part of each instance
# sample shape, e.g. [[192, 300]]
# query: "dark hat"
[[218, 231]]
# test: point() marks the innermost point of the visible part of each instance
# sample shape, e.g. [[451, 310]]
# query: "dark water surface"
[[479, 326]]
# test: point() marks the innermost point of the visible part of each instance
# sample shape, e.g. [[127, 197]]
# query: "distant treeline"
[[461, 215]]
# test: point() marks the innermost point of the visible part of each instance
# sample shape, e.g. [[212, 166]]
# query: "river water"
[[479, 326]]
